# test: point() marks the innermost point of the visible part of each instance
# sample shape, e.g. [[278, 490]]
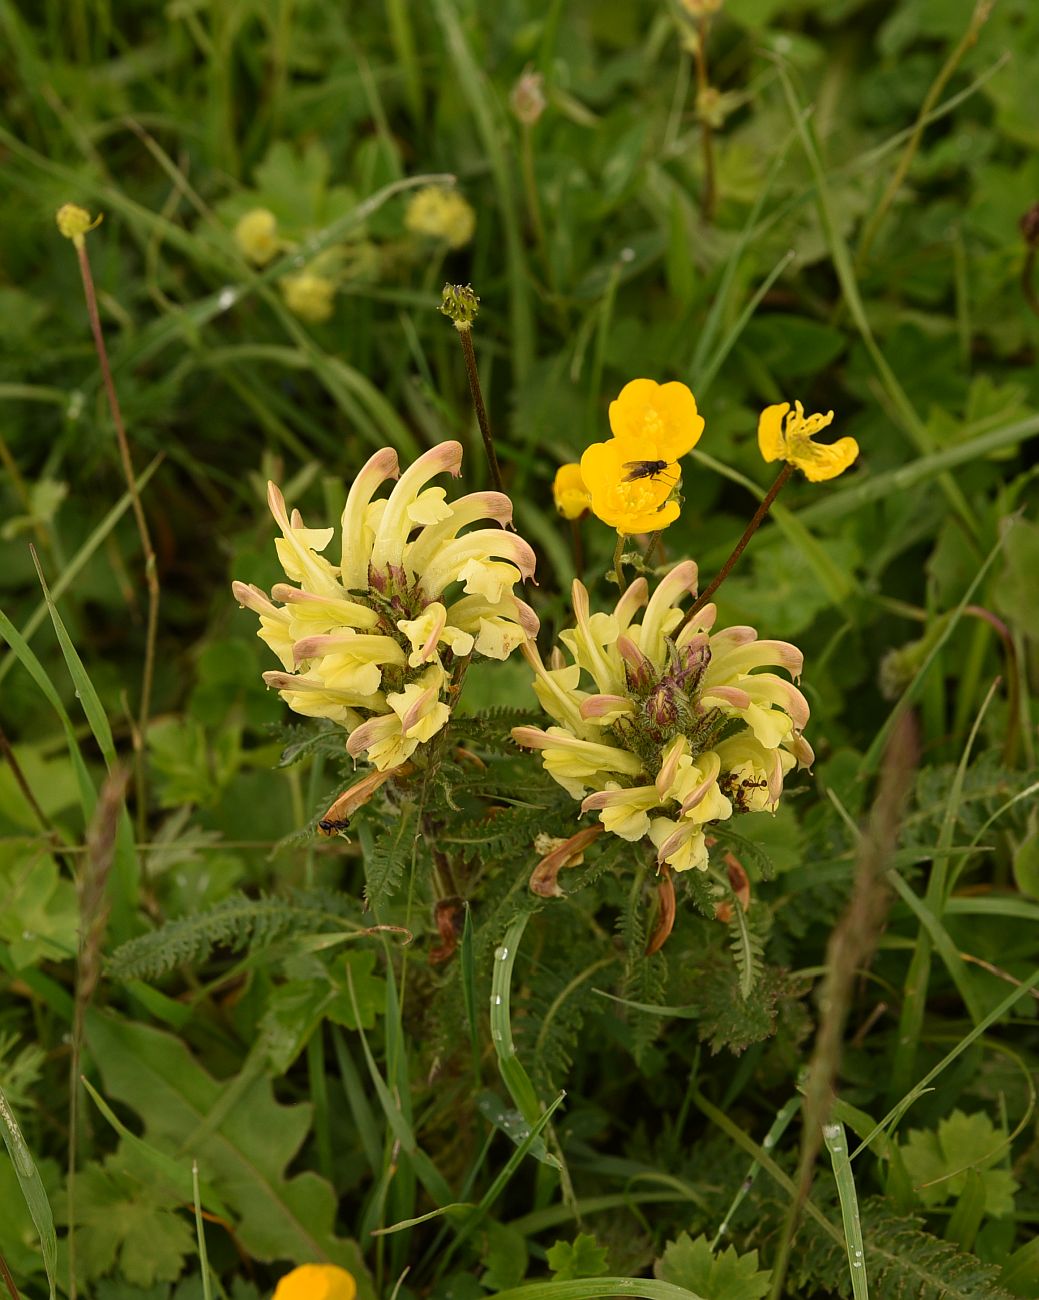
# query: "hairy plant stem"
[[5, 1273], [150, 568], [755, 523], [465, 335], [850, 948], [618, 567]]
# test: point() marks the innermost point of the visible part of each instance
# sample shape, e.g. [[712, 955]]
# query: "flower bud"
[[74, 222], [527, 99], [460, 304]]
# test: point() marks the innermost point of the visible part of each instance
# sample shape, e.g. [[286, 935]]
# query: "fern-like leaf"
[[903, 1262], [235, 923], [391, 854]]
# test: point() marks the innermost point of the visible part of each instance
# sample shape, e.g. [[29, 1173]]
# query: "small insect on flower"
[[645, 469]]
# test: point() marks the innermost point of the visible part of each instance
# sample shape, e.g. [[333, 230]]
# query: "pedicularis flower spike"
[[791, 439], [663, 728], [372, 642], [317, 1282], [632, 478]]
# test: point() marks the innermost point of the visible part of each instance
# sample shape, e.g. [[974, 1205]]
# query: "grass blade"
[[514, 1076], [837, 1145], [31, 1183]]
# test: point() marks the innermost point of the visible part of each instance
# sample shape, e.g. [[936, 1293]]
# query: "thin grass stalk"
[[703, 84], [200, 1232], [979, 18], [849, 949], [93, 922], [150, 567], [837, 1144]]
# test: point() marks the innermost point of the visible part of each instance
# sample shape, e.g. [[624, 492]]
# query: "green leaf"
[[505, 1259], [1026, 865], [938, 1161], [384, 867], [40, 916], [725, 1276], [241, 1137], [126, 1221], [583, 1257]]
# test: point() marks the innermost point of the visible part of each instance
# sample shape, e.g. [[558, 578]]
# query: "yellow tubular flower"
[[792, 441], [624, 497], [316, 1282], [374, 641], [661, 419], [572, 497], [664, 728]]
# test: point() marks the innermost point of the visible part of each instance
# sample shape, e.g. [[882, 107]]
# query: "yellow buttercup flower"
[[572, 497], [661, 419], [256, 234], [791, 439], [308, 296], [372, 642], [622, 493], [440, 214], [317, 1282]]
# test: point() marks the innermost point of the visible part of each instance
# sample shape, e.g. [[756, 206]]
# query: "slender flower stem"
[[618, 567], [150, 567], [741, 545], [469, 352]]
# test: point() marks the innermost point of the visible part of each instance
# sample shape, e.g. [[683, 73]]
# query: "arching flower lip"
[[356, 552], [789, 435], [298, 547], [681, 580], [421, 552], [661, 419], [481, 545], [602, 706], [395, 525], [374, 649]]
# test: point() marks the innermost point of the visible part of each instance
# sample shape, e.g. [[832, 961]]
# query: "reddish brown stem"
[[150, 569], [741, 545]]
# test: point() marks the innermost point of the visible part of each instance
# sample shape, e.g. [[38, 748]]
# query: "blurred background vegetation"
[[831, 200]]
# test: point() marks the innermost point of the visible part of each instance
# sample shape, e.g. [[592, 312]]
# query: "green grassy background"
[[602, 252]]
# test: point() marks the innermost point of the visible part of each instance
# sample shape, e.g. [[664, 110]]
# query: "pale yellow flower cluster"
[[664, 726], [371, 642]]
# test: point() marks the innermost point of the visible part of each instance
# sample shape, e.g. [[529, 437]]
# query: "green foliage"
[[235, 923], [902, 1261], [583, 1257], [289, 1009], [726, 1275], [939, 1161], [127, 1220], [242, 1138]]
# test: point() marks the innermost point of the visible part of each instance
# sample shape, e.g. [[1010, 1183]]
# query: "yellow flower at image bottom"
[[661, 418], [788, 435], [623, 495], [571, 496], [317, 1282]]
